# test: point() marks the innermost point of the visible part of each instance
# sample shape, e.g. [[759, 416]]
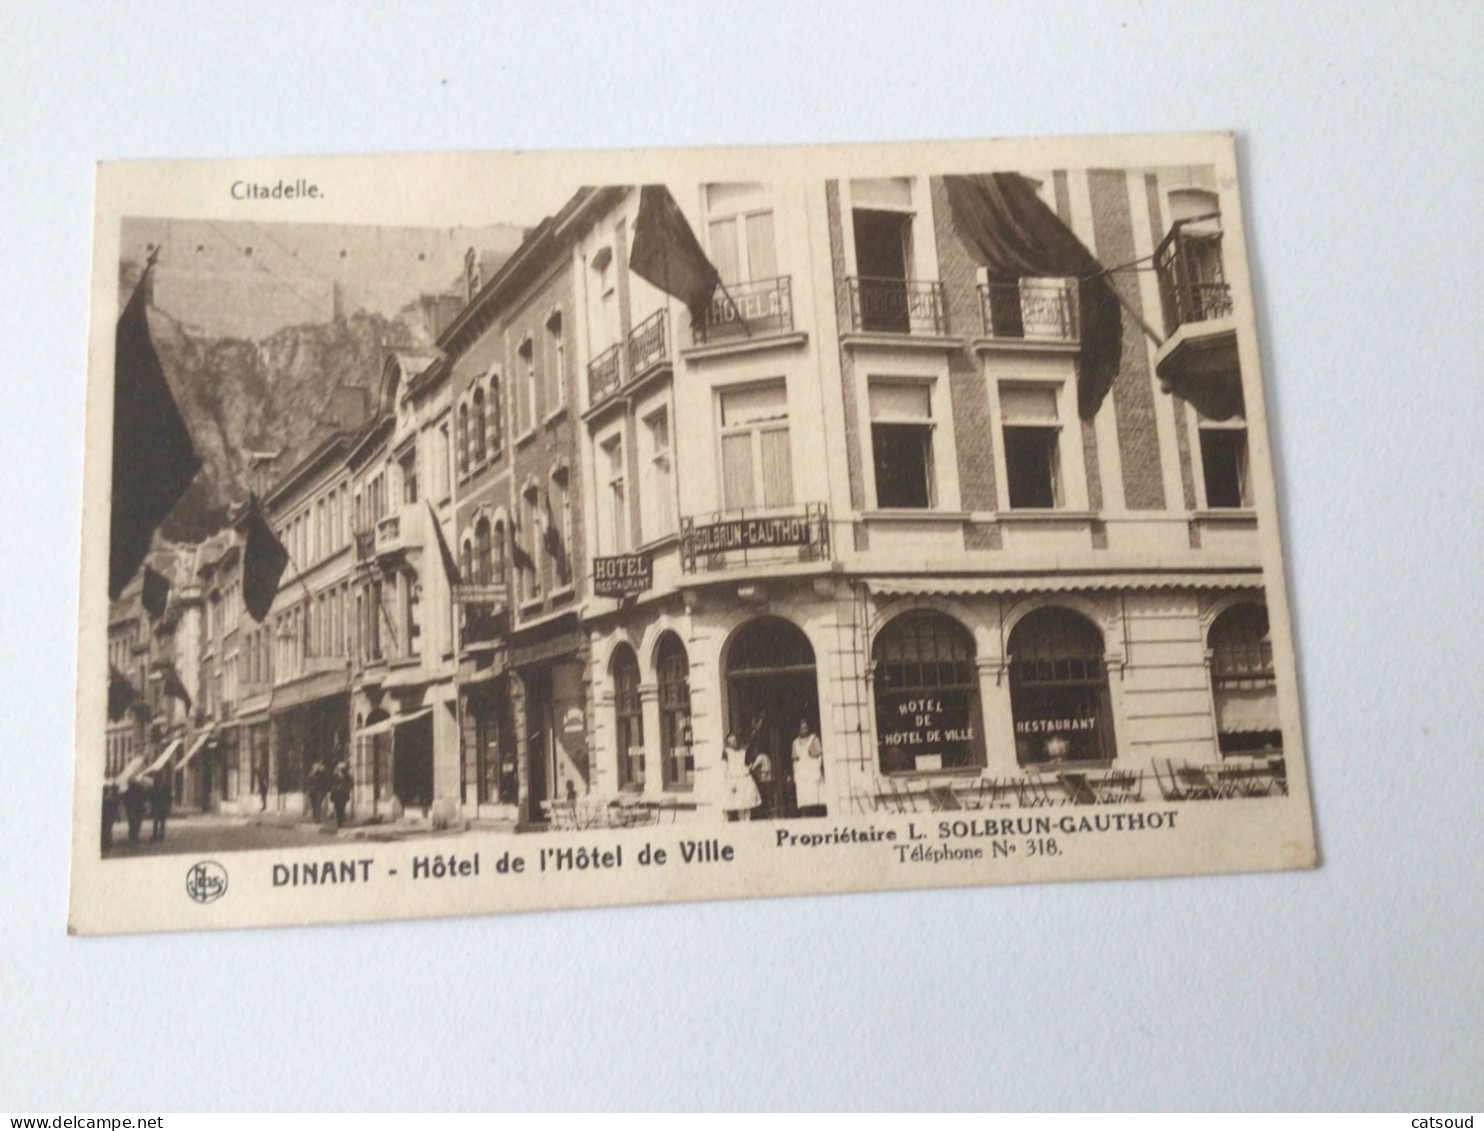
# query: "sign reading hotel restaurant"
[[496, 593], [622, 575]]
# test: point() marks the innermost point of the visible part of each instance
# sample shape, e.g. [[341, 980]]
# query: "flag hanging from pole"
[[156, 592], [154, 461], [172, 684], [667, 254], [1015, 235], [263, 562], [518, 553], [551, 539], [121, 694], [450, 566]]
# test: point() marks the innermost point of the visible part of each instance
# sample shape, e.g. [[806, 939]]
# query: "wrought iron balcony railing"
[[604, 373], [739, 539], [896, 306], [1030, 309], [649, 343], [762, 306], [1192, 281]]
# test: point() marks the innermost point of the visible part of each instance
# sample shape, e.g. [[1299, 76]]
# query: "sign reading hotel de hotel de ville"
[[490, 532]]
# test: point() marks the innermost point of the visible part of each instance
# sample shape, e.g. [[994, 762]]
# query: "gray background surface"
[[1357, 985]]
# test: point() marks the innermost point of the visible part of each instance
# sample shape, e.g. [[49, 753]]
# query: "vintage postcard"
[[486, 532]]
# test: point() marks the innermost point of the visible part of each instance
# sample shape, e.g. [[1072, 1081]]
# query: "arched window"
[[677, 764], [466, 560], [480, 450], [499, 552], [1059, 689], [628, 718], [1243, 683], [463, 440], [928, 714], [483, 559]]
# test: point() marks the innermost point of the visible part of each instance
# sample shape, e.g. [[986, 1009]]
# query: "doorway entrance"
[[771, 688]]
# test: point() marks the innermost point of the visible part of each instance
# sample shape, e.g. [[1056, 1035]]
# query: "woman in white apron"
[[739, 792], [808, 758]]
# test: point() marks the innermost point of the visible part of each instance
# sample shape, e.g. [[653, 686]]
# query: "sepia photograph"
[[909, 519]]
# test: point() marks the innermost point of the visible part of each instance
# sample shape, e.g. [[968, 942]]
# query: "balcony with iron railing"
[[1030, 311], [1192, 279], [1198, 359], [649, 344], [745, 310], [896, 306], [753, 537], [604, 374]]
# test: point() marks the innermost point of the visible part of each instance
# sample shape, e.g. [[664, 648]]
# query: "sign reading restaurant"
[[622, 575]]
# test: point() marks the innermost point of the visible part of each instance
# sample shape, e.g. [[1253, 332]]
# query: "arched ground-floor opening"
[[772, 690]]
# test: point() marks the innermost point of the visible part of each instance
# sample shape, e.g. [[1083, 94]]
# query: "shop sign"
[[622, 575], [926, 731], [750, 534], [497, 593]]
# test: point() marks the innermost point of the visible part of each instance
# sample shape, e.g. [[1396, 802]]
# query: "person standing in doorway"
[[318, 784], [808, 757], [739, 792]]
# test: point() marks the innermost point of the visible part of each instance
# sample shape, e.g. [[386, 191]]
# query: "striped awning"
[[164, 759], [195, 749], [982, 585]]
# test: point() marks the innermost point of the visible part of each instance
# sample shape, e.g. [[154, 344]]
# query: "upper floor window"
[[525, 391], [555, 365], [658, 489], [463, 440], [756, 461], [477, 423], [614, 499], [409, 475], [902, 443], [483, 562], [739, 227], [495, 417], [1032, 432], [1224, 461]]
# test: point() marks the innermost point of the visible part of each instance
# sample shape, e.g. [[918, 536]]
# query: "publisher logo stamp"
[[206, 881]]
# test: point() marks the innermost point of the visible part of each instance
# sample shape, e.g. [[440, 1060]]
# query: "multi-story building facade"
[[873, 490], [404, 707], [520, 522], [863, 490]]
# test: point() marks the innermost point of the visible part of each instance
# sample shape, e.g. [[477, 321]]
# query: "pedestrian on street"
[[134, 797], [318, 784], [340, 786], [262, 776], [159, 806]]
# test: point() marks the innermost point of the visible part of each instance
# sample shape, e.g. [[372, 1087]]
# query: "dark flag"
[[172, 684], [154, 460], [156, 594], [551, 539], [263, 562], [667, 254], [121, 694], [450, 567], [518, 554], [1012, 233]]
